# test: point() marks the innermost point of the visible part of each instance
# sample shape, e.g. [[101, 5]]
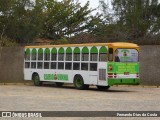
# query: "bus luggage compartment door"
[[102, 74]]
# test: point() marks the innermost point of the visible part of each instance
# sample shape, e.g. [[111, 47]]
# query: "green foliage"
[[65, 22], [64, 19], [60, 41], [7, 42], [137, 18], [20, 20]]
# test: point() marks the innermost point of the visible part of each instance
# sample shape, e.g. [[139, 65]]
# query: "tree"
[[136, 18], [64, 19], [20, 20]]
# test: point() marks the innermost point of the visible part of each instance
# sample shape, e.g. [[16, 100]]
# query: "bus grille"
[[102, 74]]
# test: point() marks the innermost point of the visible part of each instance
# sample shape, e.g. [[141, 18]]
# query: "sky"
[[94, 4]]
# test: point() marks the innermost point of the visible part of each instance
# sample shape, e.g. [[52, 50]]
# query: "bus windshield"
[[126, 55]]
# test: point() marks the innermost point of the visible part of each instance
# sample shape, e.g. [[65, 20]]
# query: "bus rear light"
[[137, 75], [110, 68], [115, 75], [110, 75]]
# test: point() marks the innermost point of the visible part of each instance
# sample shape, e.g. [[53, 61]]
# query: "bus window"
[[76, 54], [34, 54], [126, 55], [60, 57], [94, 54], [47, 57], [47, 54], [93, 66], [110, 54], [69, 54], [68, 57], [61, 65], [102, 57], [76, 66], [46, 65], [68, 66], [27, 64], [40, 54], [33, 65], [85, 54], [84, 66], [103, 54], [39, 65], [54, 54], [76, 57], [61, 54], [53, 65], [27, 54]]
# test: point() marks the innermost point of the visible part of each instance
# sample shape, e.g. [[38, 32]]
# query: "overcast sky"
[[93, 3]]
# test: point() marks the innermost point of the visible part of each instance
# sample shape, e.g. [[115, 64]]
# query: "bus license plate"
[[126, 73]]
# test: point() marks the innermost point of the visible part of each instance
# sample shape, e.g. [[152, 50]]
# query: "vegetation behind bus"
[[22, 21]]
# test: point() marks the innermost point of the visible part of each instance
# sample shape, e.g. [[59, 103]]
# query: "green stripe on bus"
[[85, 50], [103, 50], [54, 50], [69, 50], [76, 50], [47, 51], [94, 50], [34, 51], [40, 51], [61, 50], [27, 51]]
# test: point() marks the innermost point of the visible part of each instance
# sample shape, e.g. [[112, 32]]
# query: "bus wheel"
[[79, 83], [103, 87], [36, 80], [58, 84]]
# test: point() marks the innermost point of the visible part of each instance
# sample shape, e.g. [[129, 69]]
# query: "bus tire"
[[79, 83], [36, 79], [103, 87], [59, 84]]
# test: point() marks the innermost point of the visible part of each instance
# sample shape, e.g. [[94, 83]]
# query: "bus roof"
[[114, 44], [123, 44]]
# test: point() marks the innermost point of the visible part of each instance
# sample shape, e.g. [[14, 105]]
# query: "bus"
[[100, 64]]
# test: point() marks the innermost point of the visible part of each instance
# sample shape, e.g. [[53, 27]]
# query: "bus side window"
[[110, 54]]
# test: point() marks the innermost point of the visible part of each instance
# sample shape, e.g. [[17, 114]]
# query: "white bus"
[[100, 64]]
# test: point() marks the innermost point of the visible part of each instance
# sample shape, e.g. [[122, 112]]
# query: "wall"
[[11, 65], [150, 64]]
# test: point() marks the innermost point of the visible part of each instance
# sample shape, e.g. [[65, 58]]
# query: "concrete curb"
[[143, 86], [16, 83]]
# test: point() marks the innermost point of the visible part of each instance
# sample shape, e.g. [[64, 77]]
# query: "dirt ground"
[[67, 98]]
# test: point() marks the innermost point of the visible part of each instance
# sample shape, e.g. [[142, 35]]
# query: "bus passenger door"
[[102, 73]]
